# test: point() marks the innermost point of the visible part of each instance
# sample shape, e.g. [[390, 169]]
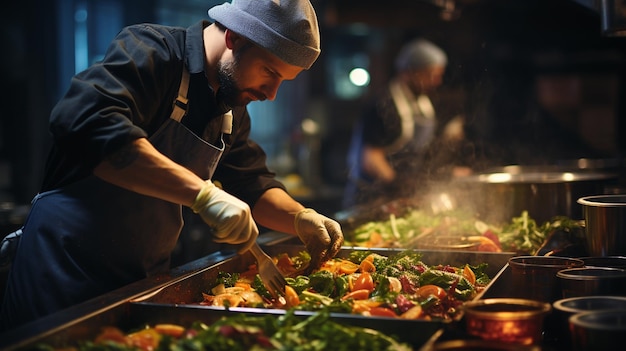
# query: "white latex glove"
[[321, 235], [230, 218]]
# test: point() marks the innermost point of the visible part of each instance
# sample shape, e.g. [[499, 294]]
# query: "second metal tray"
[[179, 301]]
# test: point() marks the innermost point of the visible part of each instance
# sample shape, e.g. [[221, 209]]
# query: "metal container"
[[85, 320], [598, 330], [565, 308], [501, 195], [534, 277], [169, 299], [588, 281], [483, 345], [185, 294], [580, 304], [605, 261], [517, 321], [605, 224]]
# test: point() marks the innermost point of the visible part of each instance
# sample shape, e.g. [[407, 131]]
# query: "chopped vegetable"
[[228, 279], [366, 280], [522, 235], [242, 332], [416, 227]]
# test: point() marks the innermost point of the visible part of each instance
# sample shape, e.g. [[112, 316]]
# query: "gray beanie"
[[418, 54], [286, 28]]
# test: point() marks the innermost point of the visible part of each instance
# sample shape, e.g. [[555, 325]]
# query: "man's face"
[[427, 79], [252, 74]]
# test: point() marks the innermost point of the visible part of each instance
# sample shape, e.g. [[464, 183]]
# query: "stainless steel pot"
[[598, 330], [504, 194], [605, 224]]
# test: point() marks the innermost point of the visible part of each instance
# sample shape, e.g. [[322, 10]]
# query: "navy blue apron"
[[92, 237]]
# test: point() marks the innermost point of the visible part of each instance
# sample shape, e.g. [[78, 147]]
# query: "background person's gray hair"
[[418, 54], [286, 28]]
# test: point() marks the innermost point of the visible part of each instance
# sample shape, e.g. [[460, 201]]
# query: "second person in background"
[[390, 139]]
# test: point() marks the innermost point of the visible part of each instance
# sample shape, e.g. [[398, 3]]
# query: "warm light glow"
[[499, 177], [359, 77]]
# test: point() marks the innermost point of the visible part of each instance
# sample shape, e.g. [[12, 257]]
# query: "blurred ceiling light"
[[359, 77], [310, 127]]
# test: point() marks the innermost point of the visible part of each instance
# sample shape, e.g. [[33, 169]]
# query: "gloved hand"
[[321, 235], [230, 218]]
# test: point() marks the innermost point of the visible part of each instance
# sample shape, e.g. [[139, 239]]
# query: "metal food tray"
[[85, 320], [190, 289], [180, 300], [161, 299]]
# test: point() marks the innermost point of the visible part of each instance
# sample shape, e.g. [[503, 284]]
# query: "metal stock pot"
[[545, 192]]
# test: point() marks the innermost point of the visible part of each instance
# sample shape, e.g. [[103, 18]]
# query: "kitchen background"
[[537, 81]]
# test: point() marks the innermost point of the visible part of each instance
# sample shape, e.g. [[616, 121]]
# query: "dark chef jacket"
[[380, 125], [130, 95]]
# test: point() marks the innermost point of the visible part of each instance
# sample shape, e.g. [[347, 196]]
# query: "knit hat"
[[286, 28], [418, 54]]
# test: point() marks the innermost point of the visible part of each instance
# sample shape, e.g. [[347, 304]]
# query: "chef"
[[161, 123], [390, 139]]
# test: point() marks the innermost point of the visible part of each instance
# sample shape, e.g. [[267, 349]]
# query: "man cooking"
[[153, 127], [391, 139]]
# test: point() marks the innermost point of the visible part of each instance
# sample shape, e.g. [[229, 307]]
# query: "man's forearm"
[[141, 168], [276, 210]]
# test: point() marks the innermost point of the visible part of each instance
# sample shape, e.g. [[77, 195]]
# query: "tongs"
[[270, 275]]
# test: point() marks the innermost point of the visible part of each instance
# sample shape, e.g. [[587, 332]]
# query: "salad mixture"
[[365, 283], [420, 228], [241, 332], [416, 228]]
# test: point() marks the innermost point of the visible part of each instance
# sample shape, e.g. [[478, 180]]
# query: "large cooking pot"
[[545, 192]]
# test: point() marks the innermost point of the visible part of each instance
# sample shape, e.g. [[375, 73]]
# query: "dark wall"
[[27, 73], [540, 82], [497, 50], [35, 68]]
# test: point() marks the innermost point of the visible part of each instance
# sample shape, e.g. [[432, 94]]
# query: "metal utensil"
[[270, 275]]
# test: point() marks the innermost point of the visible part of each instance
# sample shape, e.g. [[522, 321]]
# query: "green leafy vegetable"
[[322, 282], [301, 260], [480, 272], [342, 286], [226, 278], [522, 235], [259, 287], [299, 283], [413, 224], [463, 289]]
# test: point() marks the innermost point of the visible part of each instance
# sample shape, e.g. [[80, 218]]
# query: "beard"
[[229, 91]]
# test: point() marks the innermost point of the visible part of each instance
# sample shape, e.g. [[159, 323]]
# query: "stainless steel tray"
[[180, 300], [84, 321], [162, 300]]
